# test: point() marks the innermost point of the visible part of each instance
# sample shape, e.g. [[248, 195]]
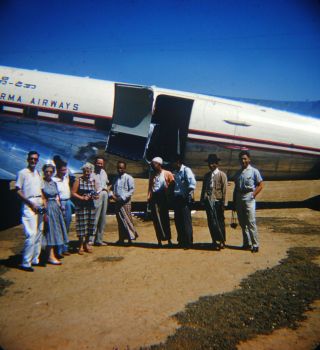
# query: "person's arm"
[[19, 185], [258, 189], [149, 188], [224, 181], [259, 183], [191, 180], [25, 200]]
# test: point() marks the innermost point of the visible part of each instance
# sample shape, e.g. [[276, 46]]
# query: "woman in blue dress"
[[54, 228]]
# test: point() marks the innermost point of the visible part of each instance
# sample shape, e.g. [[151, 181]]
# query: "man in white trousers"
[[29, 188]]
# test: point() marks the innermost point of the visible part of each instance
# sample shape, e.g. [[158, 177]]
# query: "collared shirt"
[[101, 180], [184, 181], [246, 181], [63, 187], [30, 183], [213, 175], [123, 186]]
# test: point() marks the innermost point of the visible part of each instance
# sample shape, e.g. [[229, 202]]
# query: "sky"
[[265, 49]]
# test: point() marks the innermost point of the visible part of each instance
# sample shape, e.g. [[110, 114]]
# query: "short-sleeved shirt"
[[101, 180], [30, 183], [184, 181], [246, 181], [63, 187]]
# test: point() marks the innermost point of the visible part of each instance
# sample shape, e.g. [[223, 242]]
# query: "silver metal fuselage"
[[79, 118]]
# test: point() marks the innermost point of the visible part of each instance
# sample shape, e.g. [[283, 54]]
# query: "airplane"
[[80, 117]]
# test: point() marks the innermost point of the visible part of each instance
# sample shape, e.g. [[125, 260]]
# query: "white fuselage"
[[284, 145]]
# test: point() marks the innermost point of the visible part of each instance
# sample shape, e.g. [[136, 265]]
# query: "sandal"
[[80, 251]]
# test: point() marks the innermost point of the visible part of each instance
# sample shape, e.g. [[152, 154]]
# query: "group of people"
[[48, 203]]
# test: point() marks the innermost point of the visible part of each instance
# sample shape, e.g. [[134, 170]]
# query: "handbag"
[[234, 219]]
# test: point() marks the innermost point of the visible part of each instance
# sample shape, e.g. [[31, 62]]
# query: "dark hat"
[[212, 158]]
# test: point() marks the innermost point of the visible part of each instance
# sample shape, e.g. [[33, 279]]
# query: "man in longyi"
[[161, 183], [122, 190], [213, 196]]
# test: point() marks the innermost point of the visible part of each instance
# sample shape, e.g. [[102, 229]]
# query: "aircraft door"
[[131, 121]]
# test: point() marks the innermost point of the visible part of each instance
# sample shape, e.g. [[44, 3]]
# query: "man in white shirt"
[[62, 180], [29, 188], [101, 179]]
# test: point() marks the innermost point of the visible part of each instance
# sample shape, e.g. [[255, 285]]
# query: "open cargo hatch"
[[131, 121]]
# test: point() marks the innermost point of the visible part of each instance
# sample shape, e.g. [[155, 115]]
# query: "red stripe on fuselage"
[[248, 139], [249, 147]]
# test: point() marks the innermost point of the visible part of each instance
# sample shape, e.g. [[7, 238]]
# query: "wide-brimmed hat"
[[212, 158]]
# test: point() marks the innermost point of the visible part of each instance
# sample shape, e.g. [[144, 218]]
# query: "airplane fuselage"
[[79, 118]]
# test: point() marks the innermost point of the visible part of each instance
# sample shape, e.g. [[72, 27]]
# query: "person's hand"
[[33, 207], [85, 197]]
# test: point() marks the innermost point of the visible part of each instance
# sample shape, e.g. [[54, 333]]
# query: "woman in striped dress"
[[84, 192]]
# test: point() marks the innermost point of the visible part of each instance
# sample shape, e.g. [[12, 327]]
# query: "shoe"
[[66, 253], [120, 242], [26, 268], [54, 262], [215, 246], [102, 244], [39, 264], [80, 251], [255, 250], [59, 256]]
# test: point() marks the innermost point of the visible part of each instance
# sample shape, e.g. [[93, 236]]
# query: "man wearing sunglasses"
[[29, 185]]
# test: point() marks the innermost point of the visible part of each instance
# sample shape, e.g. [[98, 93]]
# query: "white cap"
[[157, 160]]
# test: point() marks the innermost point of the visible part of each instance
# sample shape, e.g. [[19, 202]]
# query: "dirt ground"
[[124, 297]]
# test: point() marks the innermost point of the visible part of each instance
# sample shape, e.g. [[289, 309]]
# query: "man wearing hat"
[[161, 183], [213, 196]]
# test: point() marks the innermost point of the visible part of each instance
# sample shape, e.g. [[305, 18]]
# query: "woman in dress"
[[84, 191], [54, 229]]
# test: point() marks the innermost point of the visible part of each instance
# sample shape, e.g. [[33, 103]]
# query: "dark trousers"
[[160, 215], [215, 216], [183, 221]]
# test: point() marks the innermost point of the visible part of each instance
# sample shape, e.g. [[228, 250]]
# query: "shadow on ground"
[[267, 300]]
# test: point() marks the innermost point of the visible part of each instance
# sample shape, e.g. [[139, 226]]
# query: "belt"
[[65, 199], [34, 197]]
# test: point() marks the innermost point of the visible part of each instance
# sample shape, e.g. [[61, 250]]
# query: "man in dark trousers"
[[213, 196], [185, 184]]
